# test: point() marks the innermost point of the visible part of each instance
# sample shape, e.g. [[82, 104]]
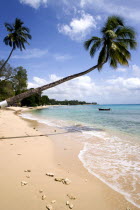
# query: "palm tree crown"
[[115, 43], [18, 35]]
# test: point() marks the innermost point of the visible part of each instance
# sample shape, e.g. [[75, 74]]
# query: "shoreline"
[[56, 155]]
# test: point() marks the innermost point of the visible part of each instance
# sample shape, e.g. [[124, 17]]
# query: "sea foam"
[[114, 162]]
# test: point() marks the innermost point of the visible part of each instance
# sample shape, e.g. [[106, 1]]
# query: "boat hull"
[[104, 109]]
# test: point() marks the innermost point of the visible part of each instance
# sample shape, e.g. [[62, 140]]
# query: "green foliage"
[[7, 72], [34, 100], [45, 100], [12, 81], [115, 43], [20, 80], [6, 90]]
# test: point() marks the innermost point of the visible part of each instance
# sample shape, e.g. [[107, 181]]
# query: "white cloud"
[[119, 90], [59, 57], [35, 3], [39, 81], [129, 83], [121, 69], [31, 53], [129, 10], [78, 28], [119, 7], [136, 70]]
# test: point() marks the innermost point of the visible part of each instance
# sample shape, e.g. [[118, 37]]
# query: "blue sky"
[[58, 30]]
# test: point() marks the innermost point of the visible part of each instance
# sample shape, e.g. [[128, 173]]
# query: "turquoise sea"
[[114, 156]]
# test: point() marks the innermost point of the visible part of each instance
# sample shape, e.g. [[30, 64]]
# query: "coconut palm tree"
[[113, 47], [17, 37]]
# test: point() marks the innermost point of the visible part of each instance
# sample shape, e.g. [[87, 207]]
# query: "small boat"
[[100, 109]]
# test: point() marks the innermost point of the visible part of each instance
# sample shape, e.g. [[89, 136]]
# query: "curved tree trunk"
[[12, 100], [7, 59]]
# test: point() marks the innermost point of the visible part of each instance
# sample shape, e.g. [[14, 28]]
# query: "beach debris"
[[41, 191], [19, 154], [23, 183], [54, 130], [128, 208], [67, 203], [71, 206], [43, 197], [11, 144], [50, 174], [72, 197], [28, 170], [28, 176], [66, 181], [49, 207], [58, 179], [53, 201]]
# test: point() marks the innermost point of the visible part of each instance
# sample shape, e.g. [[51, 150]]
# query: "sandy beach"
[[29, 151]]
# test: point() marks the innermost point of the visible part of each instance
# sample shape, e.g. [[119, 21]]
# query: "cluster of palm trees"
[[113, 47]]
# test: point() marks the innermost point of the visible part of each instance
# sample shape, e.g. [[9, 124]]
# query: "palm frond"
[[112, 23], [123, 49], [90, 41], [27, 35], [129, 43], [95, 47], [119, 56], [8, 27], [126, 32], [113, 63], [6, 40], [26, 29]]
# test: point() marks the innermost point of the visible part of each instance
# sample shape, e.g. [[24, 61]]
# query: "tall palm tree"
[[17, 37], [113, 47]]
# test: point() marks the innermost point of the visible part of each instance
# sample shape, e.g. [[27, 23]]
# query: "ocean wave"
[[31, 117], [116, 164]]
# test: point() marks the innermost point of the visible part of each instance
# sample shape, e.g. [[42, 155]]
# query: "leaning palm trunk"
[[12, 100], [7, 59]]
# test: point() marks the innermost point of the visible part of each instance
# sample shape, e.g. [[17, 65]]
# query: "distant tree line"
[[13, 81], [38, 100]]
